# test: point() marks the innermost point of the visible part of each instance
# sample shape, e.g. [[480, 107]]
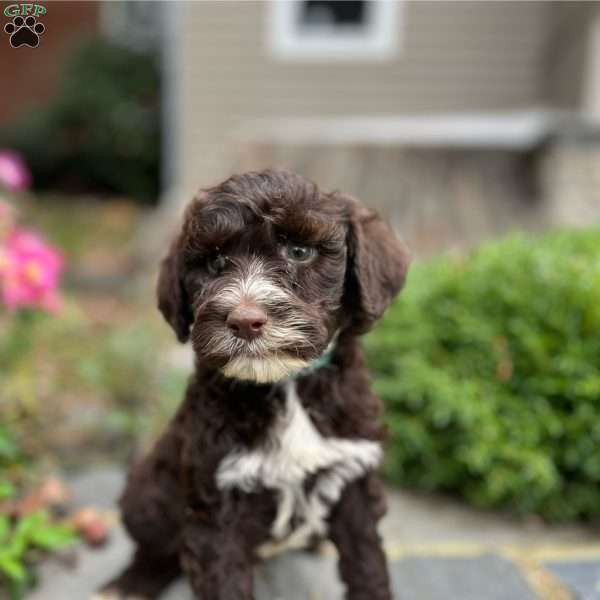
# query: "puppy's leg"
[[144, 579], [353, 529], [217, 560], [152, 512]]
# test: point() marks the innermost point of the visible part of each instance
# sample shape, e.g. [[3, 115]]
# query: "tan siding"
[[455, 56], [565, 56]]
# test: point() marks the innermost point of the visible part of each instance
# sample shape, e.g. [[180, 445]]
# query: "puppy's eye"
[[215, 265], [299, 253]]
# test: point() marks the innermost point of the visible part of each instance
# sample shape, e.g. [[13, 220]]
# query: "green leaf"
[[7, 489], [4, 529], [52, 537], [12, 568]]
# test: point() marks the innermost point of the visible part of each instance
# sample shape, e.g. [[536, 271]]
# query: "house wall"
[[454, 56], [569, 179], [591, 79], [566, 56], [435, 198]]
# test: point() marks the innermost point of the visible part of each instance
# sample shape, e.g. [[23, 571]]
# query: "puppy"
[[278, 439]]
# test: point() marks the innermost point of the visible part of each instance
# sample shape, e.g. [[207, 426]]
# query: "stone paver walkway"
[[438, 549]]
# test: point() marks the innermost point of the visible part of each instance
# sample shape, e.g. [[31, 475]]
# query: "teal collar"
[[319, 362]]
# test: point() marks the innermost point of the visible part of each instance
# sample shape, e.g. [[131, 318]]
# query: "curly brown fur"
[[230, 479]]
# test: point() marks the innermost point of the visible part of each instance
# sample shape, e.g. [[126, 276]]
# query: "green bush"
[[12, 462], [489, 367], [101, 131], [22, 540]]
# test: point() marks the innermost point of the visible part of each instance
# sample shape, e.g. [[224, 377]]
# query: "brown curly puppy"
[[279, 436]]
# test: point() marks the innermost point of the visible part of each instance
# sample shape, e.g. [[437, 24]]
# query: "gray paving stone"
[[91, 569], [100, 487], [302, 576], [582, 577], [487, 577], [294, 576]]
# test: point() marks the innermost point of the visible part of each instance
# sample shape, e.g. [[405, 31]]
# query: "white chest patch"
[[293, 451]]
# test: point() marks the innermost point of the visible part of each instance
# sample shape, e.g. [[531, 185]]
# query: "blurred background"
[[473, 126]]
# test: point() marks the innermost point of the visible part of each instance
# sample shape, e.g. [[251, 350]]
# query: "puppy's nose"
[[247, 321]]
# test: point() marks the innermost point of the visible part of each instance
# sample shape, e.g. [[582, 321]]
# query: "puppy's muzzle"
[[247, 321]]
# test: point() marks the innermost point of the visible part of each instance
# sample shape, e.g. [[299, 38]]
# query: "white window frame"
[[378, 41]]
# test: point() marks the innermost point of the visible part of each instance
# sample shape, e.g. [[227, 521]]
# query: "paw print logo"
[[24, 32]]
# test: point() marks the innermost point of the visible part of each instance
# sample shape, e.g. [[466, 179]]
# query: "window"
[[324, 30]]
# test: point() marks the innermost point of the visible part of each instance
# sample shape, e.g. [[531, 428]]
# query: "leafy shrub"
[[11, 462], [100, 132], [21, 539], [489, 366]]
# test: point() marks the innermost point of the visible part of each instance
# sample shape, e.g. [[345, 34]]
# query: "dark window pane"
[[343, 13]]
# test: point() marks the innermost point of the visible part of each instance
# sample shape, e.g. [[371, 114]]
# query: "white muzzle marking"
[[263, 370], [262, 364]]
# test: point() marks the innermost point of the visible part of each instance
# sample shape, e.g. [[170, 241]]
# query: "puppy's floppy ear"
[[173, 300], [377, 267]]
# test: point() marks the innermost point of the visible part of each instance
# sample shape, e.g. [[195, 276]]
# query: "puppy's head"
[[267, 269]]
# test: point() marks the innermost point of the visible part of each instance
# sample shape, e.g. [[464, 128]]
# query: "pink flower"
[[29, 272], [14, 174]]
